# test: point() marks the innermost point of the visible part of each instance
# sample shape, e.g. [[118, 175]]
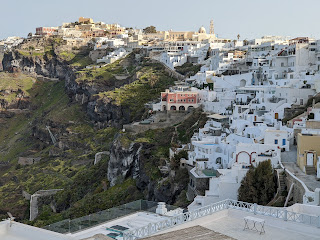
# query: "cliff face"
[[78, 139], [41, 65], [102, 112], [132, 161]]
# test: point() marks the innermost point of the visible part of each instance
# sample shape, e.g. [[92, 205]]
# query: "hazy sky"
[[249, 18]]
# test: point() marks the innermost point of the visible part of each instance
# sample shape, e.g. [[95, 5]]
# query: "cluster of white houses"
[[247, 88]]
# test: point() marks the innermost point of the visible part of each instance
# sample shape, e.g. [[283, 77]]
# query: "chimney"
[[161, 208]]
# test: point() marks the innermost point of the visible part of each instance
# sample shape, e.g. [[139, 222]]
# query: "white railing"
[[281, 213], [309, 196], [152, 228]]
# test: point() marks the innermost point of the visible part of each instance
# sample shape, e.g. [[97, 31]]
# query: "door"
[[309, 159], [276, 115]]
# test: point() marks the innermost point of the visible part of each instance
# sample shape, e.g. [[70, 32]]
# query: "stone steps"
[[310, 170]]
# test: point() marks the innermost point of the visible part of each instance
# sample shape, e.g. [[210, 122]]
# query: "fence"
[[280, 213], [77, 224]]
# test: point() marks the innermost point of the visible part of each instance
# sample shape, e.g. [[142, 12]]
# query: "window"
[[283, 142], [301, 101], [276, 141], [282, 64]]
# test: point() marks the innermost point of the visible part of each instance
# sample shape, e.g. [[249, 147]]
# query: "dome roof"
[[202, 30]]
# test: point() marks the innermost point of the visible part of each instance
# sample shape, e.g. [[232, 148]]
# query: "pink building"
[[180, 99], [46, 31]]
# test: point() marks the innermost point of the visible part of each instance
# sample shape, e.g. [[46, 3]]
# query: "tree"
[[208, 53], [258, 186], [150, 29]]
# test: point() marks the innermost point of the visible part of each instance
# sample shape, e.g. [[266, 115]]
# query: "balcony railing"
[[280, 213]]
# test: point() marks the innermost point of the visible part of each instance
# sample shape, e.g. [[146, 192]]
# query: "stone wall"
[[34, 201], [161, 120], [28, 160], [298, 189]]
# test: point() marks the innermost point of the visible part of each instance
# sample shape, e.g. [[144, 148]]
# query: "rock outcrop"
[[129, 161], [100, 111]]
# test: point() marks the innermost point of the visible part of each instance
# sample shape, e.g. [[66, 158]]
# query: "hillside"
[[85, 111]]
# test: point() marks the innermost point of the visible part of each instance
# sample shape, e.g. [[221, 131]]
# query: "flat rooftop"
[[20, 231], [196, 232], [117, 226], [230, 222]]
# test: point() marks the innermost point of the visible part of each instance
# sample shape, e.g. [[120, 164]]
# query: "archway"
[[173, 108], [164, 108], [243, 157], [182, 108], [218, 160], [243, 83]]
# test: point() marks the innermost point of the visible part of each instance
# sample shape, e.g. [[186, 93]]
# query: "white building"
[[113, 56], [278, 138]]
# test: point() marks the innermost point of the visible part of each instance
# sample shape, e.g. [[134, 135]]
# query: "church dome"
[[202, 30]]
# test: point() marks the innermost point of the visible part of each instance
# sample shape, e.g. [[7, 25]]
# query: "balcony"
[[274, 99]]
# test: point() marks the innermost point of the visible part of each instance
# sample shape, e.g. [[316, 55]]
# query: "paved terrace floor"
[[197, 232], [230, 223], [290, 156]]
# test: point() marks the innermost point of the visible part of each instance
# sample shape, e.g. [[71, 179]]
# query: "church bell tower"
[[211, 27]]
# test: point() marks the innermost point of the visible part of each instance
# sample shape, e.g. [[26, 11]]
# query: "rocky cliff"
[[102, 111], [134, 161], [85, 121]]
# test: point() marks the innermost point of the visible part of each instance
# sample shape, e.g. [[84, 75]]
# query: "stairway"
[[310, 170], [282, 183]]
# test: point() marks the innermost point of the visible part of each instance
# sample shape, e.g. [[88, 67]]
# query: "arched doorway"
[[243, 83], [182, 108], [173, 108], [164, 108], [243, 158]]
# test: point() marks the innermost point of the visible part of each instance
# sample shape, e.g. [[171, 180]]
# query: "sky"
[[249, 18]]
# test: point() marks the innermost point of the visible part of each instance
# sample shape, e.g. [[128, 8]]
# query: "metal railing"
[[280, 213]]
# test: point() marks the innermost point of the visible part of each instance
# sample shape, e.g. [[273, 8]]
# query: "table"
[[252, 223]]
